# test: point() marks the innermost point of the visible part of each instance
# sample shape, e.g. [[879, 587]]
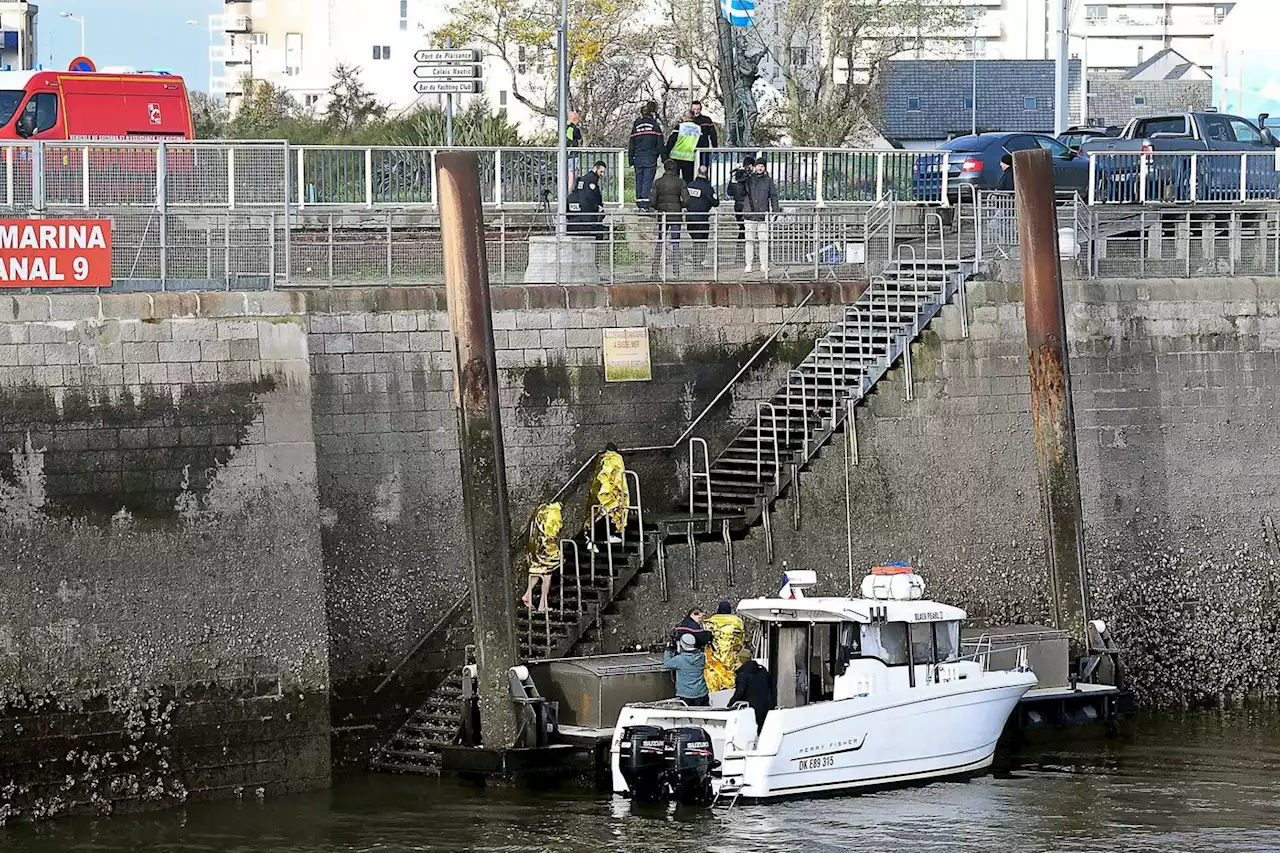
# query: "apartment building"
[[1107, 35], [297, 44], [18, 23]]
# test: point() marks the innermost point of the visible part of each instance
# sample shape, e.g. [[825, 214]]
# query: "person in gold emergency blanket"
[[728, 637], [542, 551], [609, 500]]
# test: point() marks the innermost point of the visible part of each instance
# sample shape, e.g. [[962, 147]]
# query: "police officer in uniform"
[[702, 199], [586, 202]]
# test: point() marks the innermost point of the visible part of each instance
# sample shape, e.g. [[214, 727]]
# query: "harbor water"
[[1193, 781]]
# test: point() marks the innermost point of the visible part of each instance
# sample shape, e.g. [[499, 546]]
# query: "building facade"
[[1247, 82], [297, 44], [18, 24]]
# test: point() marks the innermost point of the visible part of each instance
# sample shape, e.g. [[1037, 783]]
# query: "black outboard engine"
[[642, 762], [689, 759]]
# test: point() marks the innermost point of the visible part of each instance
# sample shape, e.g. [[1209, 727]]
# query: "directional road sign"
[[447, 56], [447, 72], [448, 87]]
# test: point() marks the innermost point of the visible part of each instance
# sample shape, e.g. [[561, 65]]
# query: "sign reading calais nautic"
[[448, 72], [68, 253]]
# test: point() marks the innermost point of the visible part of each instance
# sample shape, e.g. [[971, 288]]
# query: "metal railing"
[[1185, 177]]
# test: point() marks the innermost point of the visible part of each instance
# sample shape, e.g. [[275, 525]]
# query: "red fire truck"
[[72, 105]]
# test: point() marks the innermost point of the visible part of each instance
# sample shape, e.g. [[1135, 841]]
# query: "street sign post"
[[448, 87], [447, 56], [448, 72]]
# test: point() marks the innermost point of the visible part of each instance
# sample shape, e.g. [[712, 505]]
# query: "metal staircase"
[[728, 492]]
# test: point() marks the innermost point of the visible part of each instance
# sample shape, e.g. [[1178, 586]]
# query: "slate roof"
[[1168, 64], [927, 99]]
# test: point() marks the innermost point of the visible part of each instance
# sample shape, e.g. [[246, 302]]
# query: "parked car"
[[1074, 137], [1161, 147], [975, 162]]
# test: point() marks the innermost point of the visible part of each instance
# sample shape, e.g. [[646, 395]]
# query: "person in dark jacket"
[[737, 190], [645, 151], [692, 624], [708, 131], [758, 208], [586, 202], [1006, 173], [703, 198], [754, 685], [671, 199]]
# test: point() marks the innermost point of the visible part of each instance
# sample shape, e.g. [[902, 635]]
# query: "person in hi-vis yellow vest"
[[683, 144]]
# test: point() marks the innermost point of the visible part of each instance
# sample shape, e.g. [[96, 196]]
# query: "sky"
[[144, 34]]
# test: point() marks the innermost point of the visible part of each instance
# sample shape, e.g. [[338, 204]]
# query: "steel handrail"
[[435, 626], [777, 455], [694, 475]]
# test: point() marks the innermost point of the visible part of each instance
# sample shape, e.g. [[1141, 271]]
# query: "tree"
[[352, 107], [832, 54], [264, 110], [209, 116], [607, 54], [477, 125]]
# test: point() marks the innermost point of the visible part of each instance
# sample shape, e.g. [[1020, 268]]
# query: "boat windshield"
[[10, 99], [886, 641]]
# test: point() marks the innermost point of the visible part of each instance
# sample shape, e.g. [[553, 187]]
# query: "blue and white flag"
[[739, 13]]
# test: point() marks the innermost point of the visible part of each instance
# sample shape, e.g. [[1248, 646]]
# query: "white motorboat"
[[871, 692]]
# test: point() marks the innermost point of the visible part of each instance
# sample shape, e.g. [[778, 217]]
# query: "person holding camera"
[[737, 190]]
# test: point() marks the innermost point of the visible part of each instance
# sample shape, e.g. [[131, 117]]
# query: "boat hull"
[[931, 732]]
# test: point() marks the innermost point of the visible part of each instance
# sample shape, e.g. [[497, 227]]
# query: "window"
[[377, 51], [800, 56], [946, 640], [1030, 104], [258, 38], [1020, 143], [382, 51], [1176, 125], [1095, 14], [386, 51], [921, 642], [1139, 100], [293, 54], [1221, 11], [1054, 147], [1217, 129], [310, 100], [966, 103], [404, 14], [886, 641], [40, 114], [973, 14], [913, 105], [1245, 132], [976, 46]]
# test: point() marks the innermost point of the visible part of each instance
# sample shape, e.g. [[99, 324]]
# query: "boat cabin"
[[825, 649]]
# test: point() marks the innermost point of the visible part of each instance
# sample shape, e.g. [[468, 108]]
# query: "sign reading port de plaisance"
[[448, 72], [66, 253]]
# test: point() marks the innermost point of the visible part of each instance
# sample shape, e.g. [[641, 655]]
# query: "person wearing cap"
[[728, 636], [688, 663], [760, 206]]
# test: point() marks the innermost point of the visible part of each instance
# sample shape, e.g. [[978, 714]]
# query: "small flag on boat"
[[787, 592]]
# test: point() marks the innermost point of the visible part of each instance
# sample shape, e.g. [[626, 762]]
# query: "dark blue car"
[[975, 162]]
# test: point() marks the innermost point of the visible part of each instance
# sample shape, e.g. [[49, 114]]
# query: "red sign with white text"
[[55, 253]]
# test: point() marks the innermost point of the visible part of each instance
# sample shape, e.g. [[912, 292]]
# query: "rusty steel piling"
[[484, 481], [1053, 418]]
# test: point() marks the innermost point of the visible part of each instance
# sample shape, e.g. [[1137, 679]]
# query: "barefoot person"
[[542, 551]]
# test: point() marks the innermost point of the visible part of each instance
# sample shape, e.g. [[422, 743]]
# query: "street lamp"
[[973, 95], [201, 26], [78, 20]]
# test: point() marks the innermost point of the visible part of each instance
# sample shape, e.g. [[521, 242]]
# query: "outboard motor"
[[642, 762], [689, 759]]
